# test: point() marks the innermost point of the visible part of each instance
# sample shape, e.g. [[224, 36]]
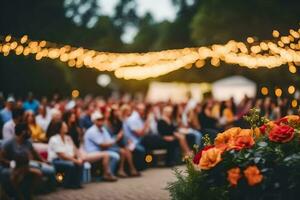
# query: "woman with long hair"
[[65, 157]]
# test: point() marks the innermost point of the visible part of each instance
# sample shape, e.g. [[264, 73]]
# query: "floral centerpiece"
[[258, 163]]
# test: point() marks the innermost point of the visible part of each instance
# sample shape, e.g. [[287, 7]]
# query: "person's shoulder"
[[91, 130], [28, 142], [54, 138], [8, 123], [7, 143]]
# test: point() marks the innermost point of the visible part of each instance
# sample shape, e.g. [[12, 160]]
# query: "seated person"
[[169, 132], [97, 138], [21, 143], [38, 136], [8, 131], [64, 155], [135, 129], [114, 124]]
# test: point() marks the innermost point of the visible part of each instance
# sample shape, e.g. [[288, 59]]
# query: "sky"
[[160, 9]]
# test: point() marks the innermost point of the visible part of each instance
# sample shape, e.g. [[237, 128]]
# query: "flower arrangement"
[[258, 163]]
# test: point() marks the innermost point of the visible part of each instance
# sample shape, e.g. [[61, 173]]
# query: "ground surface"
[[151, 186]]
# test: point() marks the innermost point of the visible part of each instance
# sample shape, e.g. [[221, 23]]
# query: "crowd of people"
[[41, 138]]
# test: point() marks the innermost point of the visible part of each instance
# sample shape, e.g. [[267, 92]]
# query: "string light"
[[75, 93], [148, 159], [283, 49], [278, 92], [292, 69], [264, 91], [294, 103], [291, 89]]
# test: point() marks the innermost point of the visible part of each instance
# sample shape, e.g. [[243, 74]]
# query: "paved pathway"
[[150, 186]]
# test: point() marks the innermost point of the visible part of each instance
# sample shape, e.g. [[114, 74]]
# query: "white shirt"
[[8, 130], [43, 122], [57, 145]]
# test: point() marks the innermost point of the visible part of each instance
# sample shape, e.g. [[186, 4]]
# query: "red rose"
[[263, 129], [283, 120], [283, 133], [198, 156]]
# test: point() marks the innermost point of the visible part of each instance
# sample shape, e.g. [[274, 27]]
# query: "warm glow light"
[[278, 92], [292, 69], [275, 34], [148, 159], [59, 177], [8, 38], [251, 54], [294, 103], [75, 93], [264, 91], [250, 40], [291, 89], [24, 39]]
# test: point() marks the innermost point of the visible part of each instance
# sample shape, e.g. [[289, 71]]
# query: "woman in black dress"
[[169, 132]]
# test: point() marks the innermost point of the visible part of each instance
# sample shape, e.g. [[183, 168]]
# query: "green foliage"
[[254, 118], [279, 164]]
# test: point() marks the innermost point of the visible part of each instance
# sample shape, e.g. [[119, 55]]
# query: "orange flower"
[[294, 118], [226, 136], [242, 142], [246, 132], [210, 158], [233, 176], [258, 132], [253, 175]]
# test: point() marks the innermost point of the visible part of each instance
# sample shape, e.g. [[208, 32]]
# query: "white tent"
[[176, 92], [234, 86]]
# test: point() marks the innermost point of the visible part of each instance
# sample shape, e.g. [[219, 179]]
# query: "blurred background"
[[138, 26]]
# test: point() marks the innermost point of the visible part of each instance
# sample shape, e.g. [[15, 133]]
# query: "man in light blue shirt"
[[31, 103], [135, 128], [6, 112], [98, 139]]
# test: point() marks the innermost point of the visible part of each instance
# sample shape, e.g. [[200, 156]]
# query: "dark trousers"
[[72, 173], [24, 189]]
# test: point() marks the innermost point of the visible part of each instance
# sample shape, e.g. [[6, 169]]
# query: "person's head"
[[10, 103], [60, 127], [22, 131], [30, 96], [140, 108], [17, 114], [90, 110], [107, 112], [44, 101], [43, 110], [56, 115], [167, 111], [125, 111], [97, 118], [29, 117], [69, 117]]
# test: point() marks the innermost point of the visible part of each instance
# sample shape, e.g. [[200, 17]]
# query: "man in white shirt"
[[8, 131]]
